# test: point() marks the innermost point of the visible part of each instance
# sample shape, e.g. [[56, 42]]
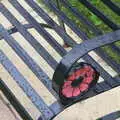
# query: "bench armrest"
[[79, 51]]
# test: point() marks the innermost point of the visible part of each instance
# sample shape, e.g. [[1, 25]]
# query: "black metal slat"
[[87, 58], [49, 86], [99, 14], [116, 49], [22, 82], [52, 6], [111, 116], [60, 21], [27, 26], [66, 20], [14, 29], [13, 100], [112, 63], [63, 17], [58, 110], [57, 107], [105, 85], [98, 89], [108, 60], [102, 87], [118, 78], [28, 60], [112, 82], [19, 8], [37, 46], [97, 32], [112, 6], [39, 28], [103, 75], [81, 17], [51, 22], [35, 68], [72, 57]]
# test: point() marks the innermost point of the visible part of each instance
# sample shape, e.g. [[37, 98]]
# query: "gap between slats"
[[18, 92]]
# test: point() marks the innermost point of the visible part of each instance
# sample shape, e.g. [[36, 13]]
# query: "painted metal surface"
[[48, 112]]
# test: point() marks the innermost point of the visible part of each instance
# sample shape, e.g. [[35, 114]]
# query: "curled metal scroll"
[[79, 51]]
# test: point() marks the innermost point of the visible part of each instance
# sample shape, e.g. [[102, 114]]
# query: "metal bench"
[[69, 60]]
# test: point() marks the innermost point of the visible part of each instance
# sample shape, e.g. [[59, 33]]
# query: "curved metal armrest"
[[79, 51]]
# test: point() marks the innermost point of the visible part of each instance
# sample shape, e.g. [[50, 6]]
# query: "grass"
[[95, 20]]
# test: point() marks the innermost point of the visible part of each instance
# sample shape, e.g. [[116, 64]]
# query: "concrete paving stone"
[[7, 112], [93, 108]]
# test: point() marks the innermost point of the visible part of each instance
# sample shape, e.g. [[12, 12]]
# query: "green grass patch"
[[112, 54], [95, 20]]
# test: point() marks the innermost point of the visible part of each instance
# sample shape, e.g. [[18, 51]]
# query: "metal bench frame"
[[61, 69]]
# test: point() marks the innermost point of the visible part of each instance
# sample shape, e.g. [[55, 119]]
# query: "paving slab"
[[93, 108], [7, 112]]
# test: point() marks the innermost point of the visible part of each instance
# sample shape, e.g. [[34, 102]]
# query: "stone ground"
[[7, 112], [89, 109], [93, 108]]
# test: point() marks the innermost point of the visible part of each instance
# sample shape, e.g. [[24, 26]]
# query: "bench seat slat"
[[104, 73], [96, 31], [98, 89], [17, 97], [54, 8], [13, 30], [28, 60], [38, 47], [63, 17], [32, 36], [81, 17], [108, 59], [112, 6], [87, 58], [51, 22], [39, 28], [99, 14], [14, 101], [30, 92]]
